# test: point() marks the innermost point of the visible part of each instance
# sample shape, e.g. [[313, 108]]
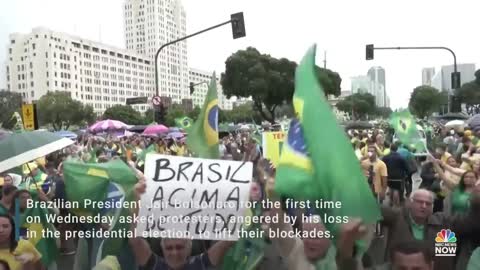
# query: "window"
[[56, 83], [48, 84], [31, 84], [31, 75], [31, 65], [33, 45]]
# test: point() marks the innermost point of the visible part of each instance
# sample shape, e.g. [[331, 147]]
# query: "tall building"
[[427, 75], [361, 84], [377, 76], [202, 78], [443, 79], [93, 73], [148, 25]]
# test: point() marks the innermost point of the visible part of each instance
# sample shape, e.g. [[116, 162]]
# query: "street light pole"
[[455, 77], [178, 40]]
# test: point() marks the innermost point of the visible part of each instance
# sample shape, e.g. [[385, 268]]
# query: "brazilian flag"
[[203, 135], [46, 246], [184, 122], [317, 160], [406, 128]]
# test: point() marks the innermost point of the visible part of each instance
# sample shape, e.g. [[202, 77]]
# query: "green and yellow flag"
[[317, 160], [406, 129], [184, 122], [111, 182], [203, 135], [46, 246]]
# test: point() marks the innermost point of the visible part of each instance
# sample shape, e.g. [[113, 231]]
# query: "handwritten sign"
[[272, 145], [194, 198]]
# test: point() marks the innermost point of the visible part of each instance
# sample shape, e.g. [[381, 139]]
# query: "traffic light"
[[238, 25], [369, 52], [192, 88], [456, 80]]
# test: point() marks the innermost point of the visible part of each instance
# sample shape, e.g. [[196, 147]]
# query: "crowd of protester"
[[419, 196]]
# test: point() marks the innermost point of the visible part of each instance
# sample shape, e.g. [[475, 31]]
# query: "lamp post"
[[455, 76], [238, 30]]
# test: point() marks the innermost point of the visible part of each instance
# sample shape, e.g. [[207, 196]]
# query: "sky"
[[284, 28]]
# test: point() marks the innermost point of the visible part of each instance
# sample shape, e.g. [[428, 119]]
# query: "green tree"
[[10, 102], [173, 112], [359, 105], [469, 93], [124, 113], [61, 111], [330, 81], [269, 81], [244, 113], [148, 116], [383, 112], [194, 113], [424, 100]]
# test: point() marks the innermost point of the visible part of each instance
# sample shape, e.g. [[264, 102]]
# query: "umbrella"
[[155, 129], [4, 134], [66, 134], [455, 123], [474, 122], [108, 125], [358, 125], [20, 148], [176, 135]]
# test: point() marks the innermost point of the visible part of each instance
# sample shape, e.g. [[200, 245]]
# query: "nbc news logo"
[[445, 243]]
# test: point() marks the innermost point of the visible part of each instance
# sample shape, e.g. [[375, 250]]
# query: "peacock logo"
[[445, 243], [446, 236]]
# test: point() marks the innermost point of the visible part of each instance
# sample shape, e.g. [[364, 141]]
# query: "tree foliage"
[[244, 113], [424, 100], [469, 93], [330, 81], [383, 112], [124, 113], [269, 81], [174, 111], [10, 102], [61, 111], [359, 104]]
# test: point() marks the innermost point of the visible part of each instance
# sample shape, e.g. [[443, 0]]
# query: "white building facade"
[[202, 79], [361, 84], [148, 25], [443, 80], [427, 76], [93, 73]]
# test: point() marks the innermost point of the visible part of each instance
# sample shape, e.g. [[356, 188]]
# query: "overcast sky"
[[286, 29]]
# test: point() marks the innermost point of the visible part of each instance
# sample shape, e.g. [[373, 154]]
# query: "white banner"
[[194, 198]]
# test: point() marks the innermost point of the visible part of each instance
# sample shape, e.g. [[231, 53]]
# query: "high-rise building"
[[361, 84], [148, 25], [443, 79], [93, 73], [202, 79], [427, 76], [377, 76]]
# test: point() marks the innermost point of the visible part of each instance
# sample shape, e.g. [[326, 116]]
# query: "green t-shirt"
[[460, 202], [3, 210], [417, 230]]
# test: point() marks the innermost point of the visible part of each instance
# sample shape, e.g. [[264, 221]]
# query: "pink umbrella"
[[108, 125], [155, 129]]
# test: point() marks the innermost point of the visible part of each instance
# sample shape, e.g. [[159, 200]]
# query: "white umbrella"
[[455, 123]]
